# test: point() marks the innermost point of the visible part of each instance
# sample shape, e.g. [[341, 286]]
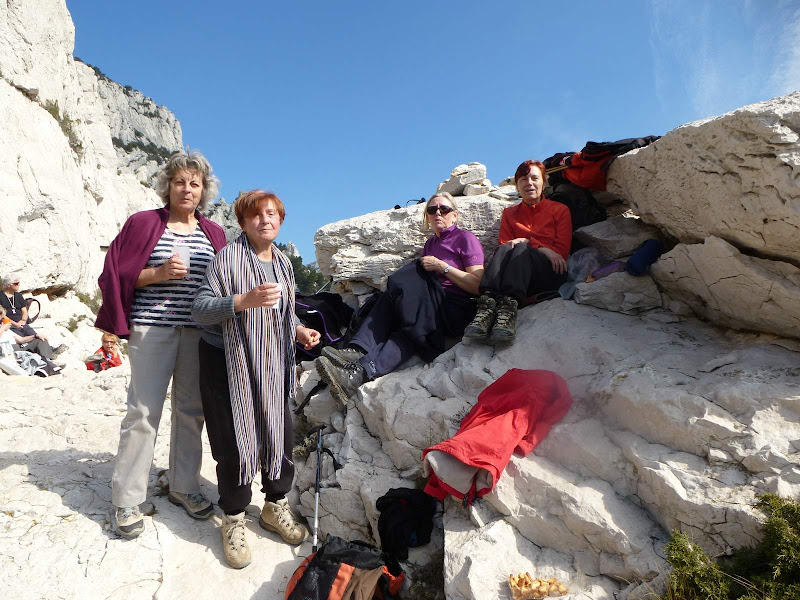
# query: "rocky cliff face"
[[78, 151]]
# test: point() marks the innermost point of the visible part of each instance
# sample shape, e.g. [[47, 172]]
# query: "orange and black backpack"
[[342, 569]]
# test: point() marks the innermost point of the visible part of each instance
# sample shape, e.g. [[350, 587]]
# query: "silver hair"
[[193, 161], [447, 196], [7, 279]]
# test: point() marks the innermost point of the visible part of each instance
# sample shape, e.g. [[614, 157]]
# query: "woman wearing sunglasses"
[[423, 302]]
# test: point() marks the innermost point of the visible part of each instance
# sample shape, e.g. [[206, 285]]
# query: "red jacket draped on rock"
[[513, 414]]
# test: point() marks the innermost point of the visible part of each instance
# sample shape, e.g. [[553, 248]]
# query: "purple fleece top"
[[456, 247], [126, 257]]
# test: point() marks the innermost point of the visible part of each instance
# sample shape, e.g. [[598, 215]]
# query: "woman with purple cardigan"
[[151, 273]]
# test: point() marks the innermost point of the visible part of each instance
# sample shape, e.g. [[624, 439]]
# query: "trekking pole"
[[319, 429]]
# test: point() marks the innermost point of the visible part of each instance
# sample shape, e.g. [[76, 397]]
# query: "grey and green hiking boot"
[[505, 325], [344, 381], [484, 317], [342, 356], [128, 521]]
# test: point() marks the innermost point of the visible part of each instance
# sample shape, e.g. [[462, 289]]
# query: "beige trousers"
[[156, 355]]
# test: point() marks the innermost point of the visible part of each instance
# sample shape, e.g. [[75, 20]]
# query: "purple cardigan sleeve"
[[127, 256]]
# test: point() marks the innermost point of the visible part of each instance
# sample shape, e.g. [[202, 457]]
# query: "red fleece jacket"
[[512, 415]]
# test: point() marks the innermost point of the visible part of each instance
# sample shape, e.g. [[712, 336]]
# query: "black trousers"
[[520, 272], [215, 395], [40, 347], [387, 347]]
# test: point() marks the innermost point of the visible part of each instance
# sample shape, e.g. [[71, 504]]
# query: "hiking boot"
[[277, 517], [128, 521], [234, 543], [484, 317], [195, 504], [505, 326], [344, 381], [60, 349], [342, 356]]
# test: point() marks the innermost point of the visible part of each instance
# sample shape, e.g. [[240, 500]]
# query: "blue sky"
[[343, 108]]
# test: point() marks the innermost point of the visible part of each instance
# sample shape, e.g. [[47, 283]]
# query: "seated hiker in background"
[[535, 237], [107, 355], [15, 342], [424, 301], [17, 312]]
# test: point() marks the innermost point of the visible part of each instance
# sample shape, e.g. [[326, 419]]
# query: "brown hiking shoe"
[[484, 317], [234, 543], [277, 517], [505, 326]]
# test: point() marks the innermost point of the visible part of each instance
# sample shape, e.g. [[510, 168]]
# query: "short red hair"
[[249, 203], [526, 167]]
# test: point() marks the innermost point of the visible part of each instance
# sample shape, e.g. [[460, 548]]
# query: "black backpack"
[[327, 313], [583, 208], [608, 151]]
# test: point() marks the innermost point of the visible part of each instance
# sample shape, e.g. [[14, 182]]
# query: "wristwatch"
[[446, 269]]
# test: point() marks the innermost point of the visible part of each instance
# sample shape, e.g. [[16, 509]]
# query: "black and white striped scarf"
[[259, 353]]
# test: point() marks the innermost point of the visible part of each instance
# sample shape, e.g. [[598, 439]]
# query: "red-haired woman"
[[246, 307], [535, 237]]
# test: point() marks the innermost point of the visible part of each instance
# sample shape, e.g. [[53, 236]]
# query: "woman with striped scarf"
[[247, 365]]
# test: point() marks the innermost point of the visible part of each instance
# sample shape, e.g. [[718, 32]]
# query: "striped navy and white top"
[[169, 303]]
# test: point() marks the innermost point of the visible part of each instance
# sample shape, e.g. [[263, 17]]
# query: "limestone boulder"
[[476, 189], [462, 175], [721, 284], [616, 236], [505, 192], [620, 292], [733, 177]]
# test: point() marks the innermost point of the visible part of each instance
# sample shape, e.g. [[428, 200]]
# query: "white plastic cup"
[[280, 298], [184, 253]]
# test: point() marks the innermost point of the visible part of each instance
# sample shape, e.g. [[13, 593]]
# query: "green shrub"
[[66, 124], [157, 153], [767, 571], [93, 301], [307, 279]]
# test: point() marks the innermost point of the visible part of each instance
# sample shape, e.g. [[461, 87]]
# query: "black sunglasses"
[[445, 210]]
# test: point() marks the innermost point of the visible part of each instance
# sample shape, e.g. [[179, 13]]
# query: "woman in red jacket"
[[106, 356], [535, 237]]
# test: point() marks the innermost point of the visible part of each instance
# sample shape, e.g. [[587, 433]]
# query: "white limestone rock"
[[222, 214], [616, 236], [475, 189], [620, 292], [652, 443], [729, 288], [479, 561], [462, 175], [733, 177], [505, 192]]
